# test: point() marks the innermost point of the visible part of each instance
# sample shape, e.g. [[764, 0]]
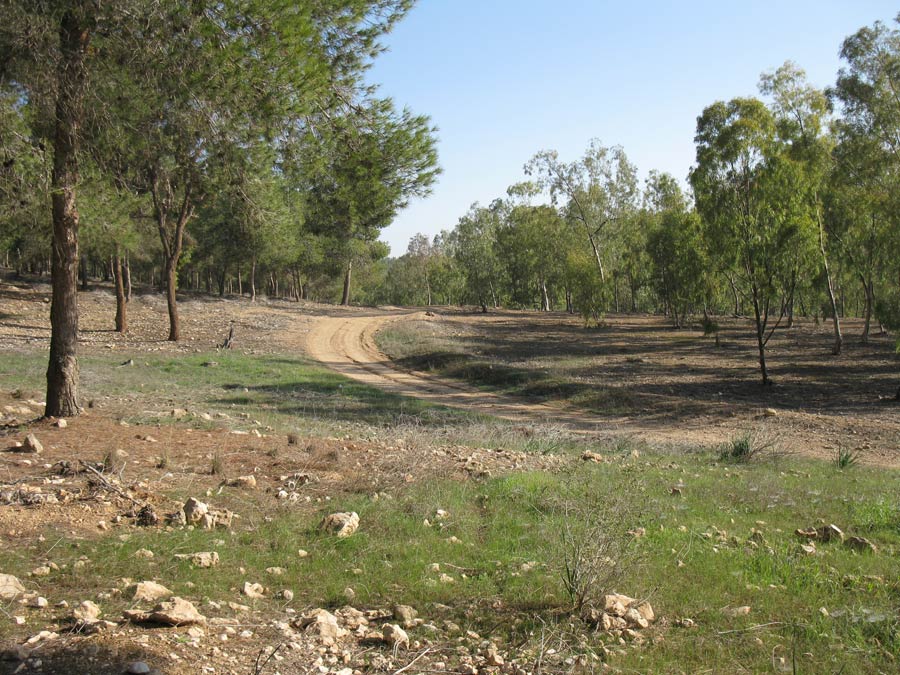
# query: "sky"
[[503, 79]]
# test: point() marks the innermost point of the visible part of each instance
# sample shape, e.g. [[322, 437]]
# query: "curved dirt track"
[[347, 344]]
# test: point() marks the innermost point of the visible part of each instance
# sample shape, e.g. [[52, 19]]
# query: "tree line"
[[197, 144], [791, 209]]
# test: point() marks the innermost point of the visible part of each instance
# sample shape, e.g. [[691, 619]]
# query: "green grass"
[[285, 392], [696, 558]]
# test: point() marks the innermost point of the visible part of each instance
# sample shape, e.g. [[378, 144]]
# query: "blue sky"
[[502, 79]]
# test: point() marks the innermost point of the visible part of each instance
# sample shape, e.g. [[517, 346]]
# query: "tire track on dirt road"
[[347, 345]]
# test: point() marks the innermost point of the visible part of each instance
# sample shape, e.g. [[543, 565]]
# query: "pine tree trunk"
[[345, 297], [121, 317], [62, 370], [126, 273]]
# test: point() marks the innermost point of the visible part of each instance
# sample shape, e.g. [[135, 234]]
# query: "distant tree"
[[869, 155], [744, 186], [599, 191]]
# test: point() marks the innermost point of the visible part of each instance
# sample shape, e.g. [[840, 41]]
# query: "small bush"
[[845, 458], [162, 462], [738, 449], [217, 466]]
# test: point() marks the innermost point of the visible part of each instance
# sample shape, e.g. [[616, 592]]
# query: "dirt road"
[[347, 344]]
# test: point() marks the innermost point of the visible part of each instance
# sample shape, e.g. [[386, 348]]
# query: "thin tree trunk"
[[126, 274], [829, 286], [62, 369], [760, 338], [345, 298], [545, 297], [734, 292], [240, 282], [868, 288], [253, 279], [171, 300], [121, 316], [84, 273]]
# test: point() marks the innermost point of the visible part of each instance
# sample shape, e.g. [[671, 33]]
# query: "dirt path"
[[347, 344]]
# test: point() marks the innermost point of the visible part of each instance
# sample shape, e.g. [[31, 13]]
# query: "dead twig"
[[106, 485]]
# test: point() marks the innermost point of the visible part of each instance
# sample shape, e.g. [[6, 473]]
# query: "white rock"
[[394, 635], [341, 524], [253, 590], [148, 591], [87, 612]]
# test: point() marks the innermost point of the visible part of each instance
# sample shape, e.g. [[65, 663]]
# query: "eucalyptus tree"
[[599, 192], [476, 254], [802, 116], [869, 147], [744, 186]]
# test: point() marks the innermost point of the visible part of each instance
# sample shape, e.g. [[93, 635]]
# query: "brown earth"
[[665, 386]]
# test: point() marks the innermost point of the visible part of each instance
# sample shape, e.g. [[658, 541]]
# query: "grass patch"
[[726, 541]]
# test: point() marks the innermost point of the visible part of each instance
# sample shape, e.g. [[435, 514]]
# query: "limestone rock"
[[246, 482], [194, 510], [175, 612], [861, 544], [137, 668], [87, 612], [253, 590], [322, 623], [394, 635], [406, 615], [148, 591], [30, 445], [341, 524], [201, 558]]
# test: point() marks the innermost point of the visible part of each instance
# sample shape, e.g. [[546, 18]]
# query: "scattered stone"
[[115, 461], [286, 595], [137, 668], [770, 412], [60, 423], [349, 594], [194, 510], [176, 612], [302, 554], [201, 558], [42, 571], [87, 613], [143, 553], [31, 445], [406, 615], [829, 533], [394, 635], [736, 611], [253, 590], [861, 544], [595, 457], [148, 591], [38, 602], [246, 482], [323, 624], [341, 524], [275, 571], [19, 620], [493, 657], [808, 549]]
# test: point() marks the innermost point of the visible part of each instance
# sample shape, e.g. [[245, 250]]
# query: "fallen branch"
[[105, 484]]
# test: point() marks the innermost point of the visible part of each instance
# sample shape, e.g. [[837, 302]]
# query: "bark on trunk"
[[829, 286], [869, 289], [253, 280], [126, 273], [171, 300], [62, 370], [121, 316], [345, 298], [545, 298], [760, 338]]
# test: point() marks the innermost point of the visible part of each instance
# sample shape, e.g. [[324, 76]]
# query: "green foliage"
[[846, 458]]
